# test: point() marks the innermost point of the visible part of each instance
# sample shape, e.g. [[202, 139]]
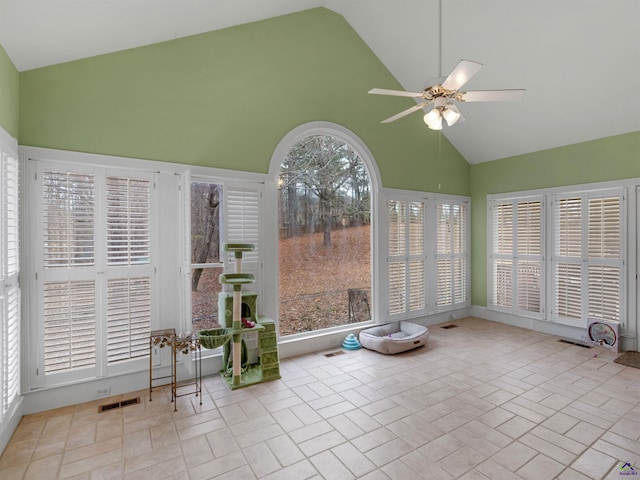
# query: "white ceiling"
[[579, 60]]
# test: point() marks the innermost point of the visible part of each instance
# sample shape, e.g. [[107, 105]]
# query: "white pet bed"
[[394, 337]]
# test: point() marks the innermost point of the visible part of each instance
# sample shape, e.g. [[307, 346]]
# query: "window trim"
[[431, 201], [584, 260], [270, 220], [171, 309], [36, 377], [464, 202], [407, 257], [226, 261], [10, 345], [515, 257], [629, 243]]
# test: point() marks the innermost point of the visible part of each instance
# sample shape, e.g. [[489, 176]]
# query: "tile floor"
[[481, 401]]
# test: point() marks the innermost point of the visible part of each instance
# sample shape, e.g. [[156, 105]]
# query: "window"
[[588, 260], [221, 212], [407, 258], [206, 264], [95, 279], [585, 273], [428, 255], [9, 271], [517, 256], [324, 210], [452, 253]]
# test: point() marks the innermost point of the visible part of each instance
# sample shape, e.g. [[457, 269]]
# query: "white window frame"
[[100, 272], [378, 219], [454, 253], [406, 258], [548, 295], [237, 225], [584, 261], [510, 254], [10, 292], [431, 201]]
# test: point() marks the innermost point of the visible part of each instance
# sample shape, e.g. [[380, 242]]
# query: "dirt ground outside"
[[314, 281]]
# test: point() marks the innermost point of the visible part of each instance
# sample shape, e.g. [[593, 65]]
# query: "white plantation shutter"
[[68, 270], [129, 284], [528, 248], [242, 208], [397, 227], [417, 254], [589, 261], [451, 253], [68, 215], [502, 255], [128, 318], [397, 288], [445, 276], [128, 220], [568, 290], [568, 257], [417, 286], [528, 285], [396, 213], [406, 257], [9, 275], [604, 274], [503, 228], [69, 325], [96, 278], [242, 204], [517, 256], [11, 339], [443, 252], [503, 283], [604, 289]]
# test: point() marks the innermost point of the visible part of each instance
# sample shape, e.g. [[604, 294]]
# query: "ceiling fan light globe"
[[433, 119], [451, 116]]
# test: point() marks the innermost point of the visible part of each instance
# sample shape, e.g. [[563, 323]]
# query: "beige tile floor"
[[481, 401]]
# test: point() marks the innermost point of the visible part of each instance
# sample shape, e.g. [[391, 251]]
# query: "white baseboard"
[[542, 326], [316, 342], [10, 422], [62, 396]]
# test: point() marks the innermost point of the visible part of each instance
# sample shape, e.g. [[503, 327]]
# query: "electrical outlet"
[[103, 392]]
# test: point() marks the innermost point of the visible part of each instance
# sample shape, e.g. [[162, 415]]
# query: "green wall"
[[226, 98], [9, 93], [611, 158]]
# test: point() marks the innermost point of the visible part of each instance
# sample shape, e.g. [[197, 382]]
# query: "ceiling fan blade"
[[461, 74], [492, 95], [406, 112], [397, 93]]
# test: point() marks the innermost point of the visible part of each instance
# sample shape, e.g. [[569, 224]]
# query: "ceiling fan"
[[444, 96]]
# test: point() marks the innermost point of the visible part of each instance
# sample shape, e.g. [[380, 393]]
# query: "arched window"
[[326, 186]]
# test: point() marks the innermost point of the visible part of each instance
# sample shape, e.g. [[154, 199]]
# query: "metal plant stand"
[[186, 344]]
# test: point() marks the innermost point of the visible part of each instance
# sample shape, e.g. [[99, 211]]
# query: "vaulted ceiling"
[[579, 60]]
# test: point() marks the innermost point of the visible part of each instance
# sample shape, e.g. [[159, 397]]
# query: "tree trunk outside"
[[211, 225]]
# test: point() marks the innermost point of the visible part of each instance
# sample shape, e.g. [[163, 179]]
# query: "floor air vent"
[[333, 354], [123, 403], [447, 327], [571, 342]]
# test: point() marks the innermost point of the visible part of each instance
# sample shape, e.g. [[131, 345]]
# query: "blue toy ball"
[[351, 342]]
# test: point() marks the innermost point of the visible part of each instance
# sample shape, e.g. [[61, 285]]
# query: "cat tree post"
[[237, 279], [237, 311]]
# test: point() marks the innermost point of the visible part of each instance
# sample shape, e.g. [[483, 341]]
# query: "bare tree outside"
[[324, 219], [205, 253]]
